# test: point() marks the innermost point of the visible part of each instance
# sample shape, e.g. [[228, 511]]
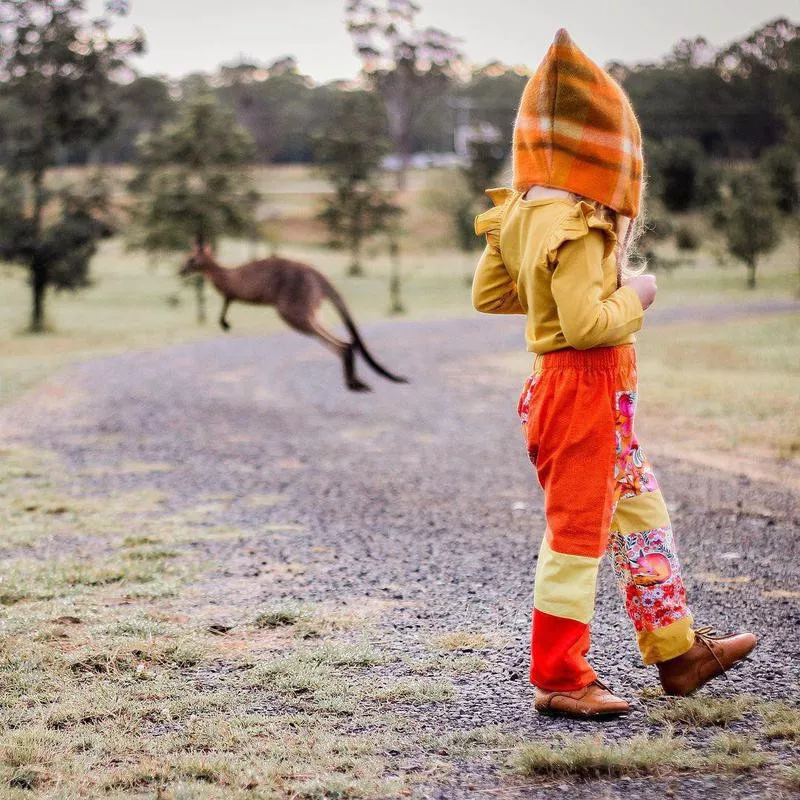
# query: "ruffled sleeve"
[[493, 290], [576, 251], [582, 218]]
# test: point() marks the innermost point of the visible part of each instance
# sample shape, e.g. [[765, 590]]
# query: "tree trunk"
[[751, 274], [38, 289], [395, 284], [200, 297], [356, 270], [401, 178], [39, 270]]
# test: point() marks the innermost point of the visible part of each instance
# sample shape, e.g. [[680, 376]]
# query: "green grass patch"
[[781, 721], [701, 711], [592, 757], [417, 691], [307, 622], [731, 752], [729, 387], [461, 640], [455, 664], [790, 778]]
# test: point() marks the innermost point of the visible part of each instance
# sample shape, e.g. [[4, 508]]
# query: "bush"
[[686, 238], [681, 174], [780, 165]]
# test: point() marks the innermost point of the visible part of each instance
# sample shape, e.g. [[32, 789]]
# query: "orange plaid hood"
[[576, 130]]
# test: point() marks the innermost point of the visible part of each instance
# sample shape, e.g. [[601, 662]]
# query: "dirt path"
[[417, 500]]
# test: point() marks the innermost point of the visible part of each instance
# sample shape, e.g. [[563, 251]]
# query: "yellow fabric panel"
[[645, 512], [565, 585], [668, 642], [554, 261]]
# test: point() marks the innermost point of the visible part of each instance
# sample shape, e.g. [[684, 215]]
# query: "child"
[[557, 251]]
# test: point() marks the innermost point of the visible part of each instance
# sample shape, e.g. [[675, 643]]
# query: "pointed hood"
[[576, 130]]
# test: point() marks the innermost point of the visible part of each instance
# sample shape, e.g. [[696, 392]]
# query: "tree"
[[735, 102], [56, 69], [193, 184], [275, 103], [144, 105], [682, 175], [350, 155], [750, 220], [781, 165], [407, 66]]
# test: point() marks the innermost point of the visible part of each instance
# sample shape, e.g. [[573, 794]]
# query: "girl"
[[557, 251]]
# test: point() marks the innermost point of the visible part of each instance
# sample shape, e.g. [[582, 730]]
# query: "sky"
[[198, 35]]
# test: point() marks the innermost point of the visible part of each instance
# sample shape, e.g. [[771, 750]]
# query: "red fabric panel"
[[558, 648]]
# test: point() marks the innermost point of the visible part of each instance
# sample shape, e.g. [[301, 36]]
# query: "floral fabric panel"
[[632, 470], [524, 406], [649, 575]]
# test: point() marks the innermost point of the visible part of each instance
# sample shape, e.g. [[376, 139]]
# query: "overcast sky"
[[197, 35]]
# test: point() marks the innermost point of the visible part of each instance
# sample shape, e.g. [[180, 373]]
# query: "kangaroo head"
[[200, 259]]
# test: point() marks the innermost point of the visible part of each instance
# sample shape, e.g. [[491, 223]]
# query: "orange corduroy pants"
[[600, 496]]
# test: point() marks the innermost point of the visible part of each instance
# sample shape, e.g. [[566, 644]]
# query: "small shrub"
[[686, 238]]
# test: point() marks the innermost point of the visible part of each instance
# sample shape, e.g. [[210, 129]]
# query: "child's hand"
[[645, 287]]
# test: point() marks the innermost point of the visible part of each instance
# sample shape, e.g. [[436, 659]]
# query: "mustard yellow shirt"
[[553, 260]]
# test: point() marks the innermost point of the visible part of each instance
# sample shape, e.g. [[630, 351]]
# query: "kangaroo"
[[296, 290]]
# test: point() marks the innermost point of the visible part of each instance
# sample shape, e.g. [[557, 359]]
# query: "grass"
[[701, 711], [790, 778], [781, 721], [593, 757], [110, 689], [461, 640], [306, 622], [729, 387]]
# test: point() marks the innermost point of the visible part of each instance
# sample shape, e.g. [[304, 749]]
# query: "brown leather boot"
[[594, 700], [709, 656]]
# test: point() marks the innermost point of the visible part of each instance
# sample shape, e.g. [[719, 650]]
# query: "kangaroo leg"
[[313, 327], [346, 351], [223, 322]]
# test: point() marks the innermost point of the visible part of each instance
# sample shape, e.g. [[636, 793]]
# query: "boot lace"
[[706, 635]]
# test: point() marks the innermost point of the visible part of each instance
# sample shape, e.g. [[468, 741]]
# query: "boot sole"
[[600, 716]]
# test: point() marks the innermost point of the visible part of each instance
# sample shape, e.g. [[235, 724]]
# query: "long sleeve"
[[493, 290], [587, 319]]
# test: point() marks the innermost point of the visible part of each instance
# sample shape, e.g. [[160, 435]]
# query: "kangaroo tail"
[[358, 342]]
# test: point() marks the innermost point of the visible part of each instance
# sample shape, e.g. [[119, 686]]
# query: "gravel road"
[[420, 496]]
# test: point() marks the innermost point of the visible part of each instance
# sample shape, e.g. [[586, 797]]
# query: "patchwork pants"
[[601, 496]]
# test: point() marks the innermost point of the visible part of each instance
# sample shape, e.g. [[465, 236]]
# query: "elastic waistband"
[[601, 358]]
